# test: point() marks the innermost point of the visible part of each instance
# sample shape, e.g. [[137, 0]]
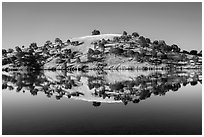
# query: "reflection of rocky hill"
[[98, 87], [102, 51]]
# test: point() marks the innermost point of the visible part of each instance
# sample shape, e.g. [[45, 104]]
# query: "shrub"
[[4, 51], [68, 41], [58, 40], [116, 86], [175, 48], [67, 51], [185, 52], [144, 45], [78, 60], [142, 39], [116, 39], [161, 43], [135, 34], [200, 53], [96, 104], [18, 49], [10, 50], [48, 42], [95, 32], [156, 42], [148, 40], [117, 51], [124, 33], [33, 46], [193, 52], [130, 53], [90, 51], [96, 52]]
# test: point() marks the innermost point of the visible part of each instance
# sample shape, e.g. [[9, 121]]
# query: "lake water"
[[105, 103]]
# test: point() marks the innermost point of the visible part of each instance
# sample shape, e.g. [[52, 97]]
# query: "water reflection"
[[101, 86]]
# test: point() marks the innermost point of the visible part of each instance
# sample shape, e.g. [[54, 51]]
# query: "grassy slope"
[[83, 48], [112, 61]]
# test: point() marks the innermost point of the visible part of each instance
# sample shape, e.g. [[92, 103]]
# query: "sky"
[[176, 23]]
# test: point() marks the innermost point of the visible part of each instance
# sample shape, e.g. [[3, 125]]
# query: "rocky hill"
[[101, 51]]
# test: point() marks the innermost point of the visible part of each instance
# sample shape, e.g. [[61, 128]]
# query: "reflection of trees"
[[135, 90], [142, 87]]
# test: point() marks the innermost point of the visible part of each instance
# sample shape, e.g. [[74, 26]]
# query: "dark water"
[[111, 102]]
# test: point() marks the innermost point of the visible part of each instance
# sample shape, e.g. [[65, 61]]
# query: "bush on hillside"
[[135, 34], [124, 33], [117, 51], [95, 32], [193, 52]]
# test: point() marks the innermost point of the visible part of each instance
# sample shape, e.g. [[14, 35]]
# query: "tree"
[[142, 52], [164, 48], [71, 56], [168, 48], [185, 52], [175, 48], [67, 51], [4, 52], [58, 40], [95, 32], [129, 36], [78, 60], [161, 43], [142, 39], [96, 104], [135, 34], [18, 49], [117, 51], [144, 45], [178, 50], [130, 53], [137, 54], [183, 57], [195, 58], [164, 56], [156, 42], [48, 42], [97, 52], [154, 53], [58, 47], [68, 41], [124, 33], [125, 37], [90, 51], [116, 39], [193, 83], [10, 50], [95, 45], [31, 51], [136, 101], [148, 40], [193, 52], [116, 86], [33, 46], [102, 46], [103, 42], [200, 53]]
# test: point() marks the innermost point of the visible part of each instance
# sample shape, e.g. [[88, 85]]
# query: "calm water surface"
[[112, 102]]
